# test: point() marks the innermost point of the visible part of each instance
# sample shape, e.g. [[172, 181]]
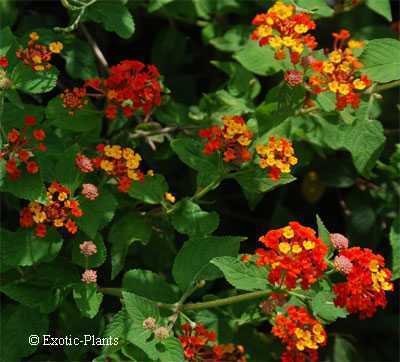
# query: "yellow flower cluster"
[[236, 128], [310, 339], [380, 279]]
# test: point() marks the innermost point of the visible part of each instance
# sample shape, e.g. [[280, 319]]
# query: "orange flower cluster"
[[366, 283], [58, 212], [302, 335], [121, 163], [131, 85], [73, 99], [277, 156], [198, 345], [21, 148], [38, 56], [232, 139], [281, 27], [294, 254], [338, 74]]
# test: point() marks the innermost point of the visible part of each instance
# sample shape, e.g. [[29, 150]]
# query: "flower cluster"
[[38, 56], [74, 99], [282, 27], [339, 73], [58, 212], [131, 85], [199, 345], [232, 139], [21, 147], [301, 334], [119, 162], [88, 248], [367, 280], [294, 255], [5, 81], [277, 156]]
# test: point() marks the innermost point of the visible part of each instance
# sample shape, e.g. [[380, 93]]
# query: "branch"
[[96, 50], [117, 292]]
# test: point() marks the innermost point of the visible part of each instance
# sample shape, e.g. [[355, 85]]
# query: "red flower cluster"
[[130, 86], [38, 56], [3, 62], [121, 163], [366, 282], [74, 98], [199, 345], [232, 139], [294, 254], [281, 27], [21, 147], [277, 156], [301, 334], [58, 212], [337, 74]]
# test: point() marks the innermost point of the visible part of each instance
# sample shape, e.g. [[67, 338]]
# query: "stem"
[[386, 86], [96, 50], [117, 292], [199, 194], [75, 23], [226, 301]]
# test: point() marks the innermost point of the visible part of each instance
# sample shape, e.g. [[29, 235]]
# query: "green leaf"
[[150, 285], [7, 41], [87, 299], [92, 261], [43, 286], [151, 190], [233, 40], [243, 276], [255, 182], [188, 218], [381, 7], [23, 248], [35, 82], [124, 231], [259, 60], [80, 62], [381, 60], [323, 233], [14, 98], [323, 307], [114, 16], [394, 237], [139, 308], [66, 173], [18, 323], [118, 327], [242, 83], [363, 139], [155, 5], [96, 213], [317, 7], [193, 261], [29, 187], [83, 120], [344, 350], [191, 153], [280, 103]]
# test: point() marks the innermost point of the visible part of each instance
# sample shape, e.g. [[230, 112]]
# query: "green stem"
[[199, 194], [117, 292], [226, 301], [386, 86], [75, 23]]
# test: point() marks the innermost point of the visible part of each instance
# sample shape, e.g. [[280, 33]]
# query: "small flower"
[[83, 163], [162, 333], [89, 276], [339, 241], [149, 323], [74, 99], [278, 156], [88, 248], [294, 77], [39, 134], [90, 191], [56, 47], [3, 62], [169, 197], [343, 264]]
